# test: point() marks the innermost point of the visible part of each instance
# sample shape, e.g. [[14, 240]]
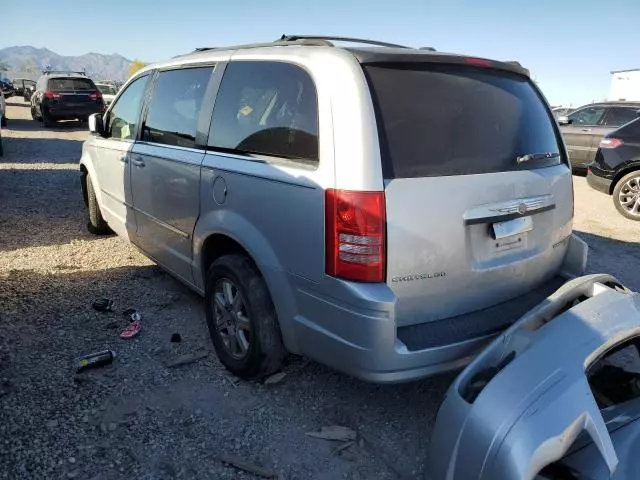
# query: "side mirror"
[[564, 120], [96, 124]]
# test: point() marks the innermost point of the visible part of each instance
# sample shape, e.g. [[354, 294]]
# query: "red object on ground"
[[132, 330]]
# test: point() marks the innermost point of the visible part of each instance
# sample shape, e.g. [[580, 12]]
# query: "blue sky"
[[570, 46]]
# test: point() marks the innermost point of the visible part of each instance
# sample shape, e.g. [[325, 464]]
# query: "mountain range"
[[28, 61]]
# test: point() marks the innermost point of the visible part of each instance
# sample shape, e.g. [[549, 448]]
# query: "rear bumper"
[[598, 182], [361, 338], [73, 112]]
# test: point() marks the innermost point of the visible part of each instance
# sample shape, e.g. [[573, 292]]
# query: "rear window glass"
[[107, 89], [630, 130], [438, 120], [75, 84]]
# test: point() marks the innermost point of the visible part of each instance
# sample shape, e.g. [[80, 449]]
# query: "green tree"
[[136, 65]]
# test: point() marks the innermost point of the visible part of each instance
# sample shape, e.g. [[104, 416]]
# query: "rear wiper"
[[536, 156]]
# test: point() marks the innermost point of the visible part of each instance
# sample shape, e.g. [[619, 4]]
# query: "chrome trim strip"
[[119, 200], [163, 224]]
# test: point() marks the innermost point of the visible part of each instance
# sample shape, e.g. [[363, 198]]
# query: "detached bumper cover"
[[535, 398]]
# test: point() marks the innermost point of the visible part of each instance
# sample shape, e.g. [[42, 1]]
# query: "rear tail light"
[[355, 234], [95, 96], [610, 143], [51, 95]]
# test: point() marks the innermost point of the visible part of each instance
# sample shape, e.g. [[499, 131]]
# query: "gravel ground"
[[140, 418]]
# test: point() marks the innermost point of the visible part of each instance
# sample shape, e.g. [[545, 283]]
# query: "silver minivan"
[[381, 209]]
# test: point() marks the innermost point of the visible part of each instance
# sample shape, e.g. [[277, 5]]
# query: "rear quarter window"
[[438, 120], [630, 130], [266, 108]]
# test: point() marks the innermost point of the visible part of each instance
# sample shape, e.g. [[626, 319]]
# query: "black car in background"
[[65, 96], [21, 85], [584, 128], [616, 169], [7, 87]]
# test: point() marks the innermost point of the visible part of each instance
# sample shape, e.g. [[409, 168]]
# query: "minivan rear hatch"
[[478, 192]]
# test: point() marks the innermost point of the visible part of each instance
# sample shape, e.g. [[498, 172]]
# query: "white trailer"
[[625, 85]]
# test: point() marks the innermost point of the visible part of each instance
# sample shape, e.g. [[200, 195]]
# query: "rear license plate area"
[[511, 228]]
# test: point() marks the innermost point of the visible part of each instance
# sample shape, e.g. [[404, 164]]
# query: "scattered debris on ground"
[[245, 465], [275, 379], [335, 432], [186, 359]]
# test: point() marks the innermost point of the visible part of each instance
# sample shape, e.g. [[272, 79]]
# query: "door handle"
[[585, 130], [124, 159], [138, 162]]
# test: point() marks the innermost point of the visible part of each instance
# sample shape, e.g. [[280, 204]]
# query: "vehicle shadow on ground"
[[13, 103], [32, 209], [616, 257], [25, 151], [51, 322], [26, 125]]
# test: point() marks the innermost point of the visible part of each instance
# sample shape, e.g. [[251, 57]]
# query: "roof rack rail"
[[47, 71], [328, 39], [315, 40]]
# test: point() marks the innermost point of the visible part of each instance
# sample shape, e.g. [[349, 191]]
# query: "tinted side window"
[[617, 116], [125, 113], [587, 116], [172, 118], [266, 108]]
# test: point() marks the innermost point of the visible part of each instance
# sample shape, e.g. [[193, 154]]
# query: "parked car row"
[[583, 128], [22, 85]]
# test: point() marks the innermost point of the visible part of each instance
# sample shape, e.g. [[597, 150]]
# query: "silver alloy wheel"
[[232, 319], [629, 196]]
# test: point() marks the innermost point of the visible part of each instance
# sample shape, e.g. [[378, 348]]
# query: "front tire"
[[96, 223], [242, 319], [626, 196]]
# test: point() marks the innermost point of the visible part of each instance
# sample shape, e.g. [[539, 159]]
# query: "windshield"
[[71, 84], [107, 89], [437, 120]]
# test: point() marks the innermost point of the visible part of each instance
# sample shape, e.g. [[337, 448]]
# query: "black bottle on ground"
[[97, 359]]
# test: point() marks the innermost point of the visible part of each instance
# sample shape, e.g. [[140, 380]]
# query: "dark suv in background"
[[616, 169], [584, 128], [65, 96], [21, 85]]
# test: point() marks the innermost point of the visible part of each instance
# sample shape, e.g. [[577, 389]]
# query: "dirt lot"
[[140, 418]]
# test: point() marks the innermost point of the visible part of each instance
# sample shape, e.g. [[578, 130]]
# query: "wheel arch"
[[624, 171], [226, 233]]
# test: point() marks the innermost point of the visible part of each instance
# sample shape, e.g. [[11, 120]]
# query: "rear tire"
[[96, 223], [264, 352], [626, 196], [47, 122]]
